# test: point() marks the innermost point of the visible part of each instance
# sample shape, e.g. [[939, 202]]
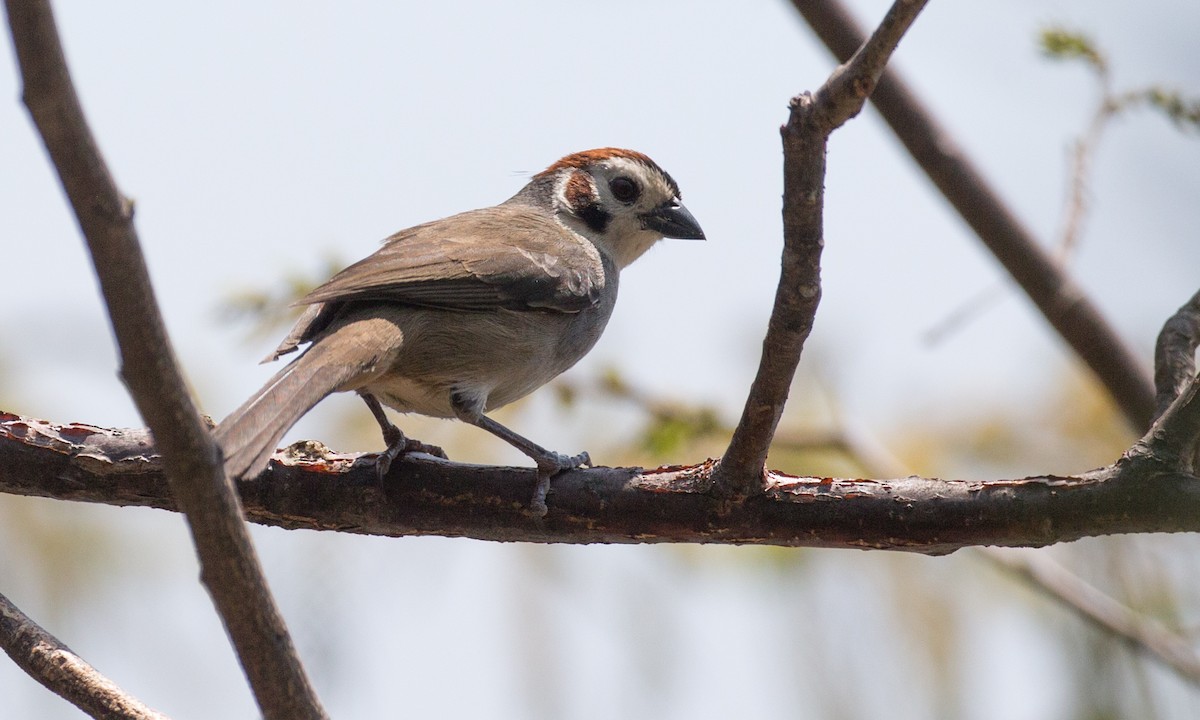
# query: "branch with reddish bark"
[[229, 566], [307, 487], [1150, 489]]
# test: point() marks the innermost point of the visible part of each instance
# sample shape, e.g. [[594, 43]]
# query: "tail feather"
[[250, 434]]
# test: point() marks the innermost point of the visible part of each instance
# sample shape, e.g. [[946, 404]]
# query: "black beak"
[[673, 220]]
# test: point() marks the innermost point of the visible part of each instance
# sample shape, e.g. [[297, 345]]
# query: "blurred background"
[[268, 144]]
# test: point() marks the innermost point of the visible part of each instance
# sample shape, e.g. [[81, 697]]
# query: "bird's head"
[[619, 199]]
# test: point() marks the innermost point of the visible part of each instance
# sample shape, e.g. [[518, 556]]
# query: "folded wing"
[[504, 257]]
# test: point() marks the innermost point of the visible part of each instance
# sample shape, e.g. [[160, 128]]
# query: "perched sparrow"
[[466, 314]]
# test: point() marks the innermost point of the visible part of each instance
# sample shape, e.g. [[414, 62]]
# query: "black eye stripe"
[[624, 189]]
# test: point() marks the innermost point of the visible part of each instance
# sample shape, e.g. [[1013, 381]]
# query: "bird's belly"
[[496, 360], [412, 396]]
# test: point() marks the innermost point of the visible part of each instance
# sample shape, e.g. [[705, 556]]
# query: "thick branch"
[[811, 120], [1063, 304], [425, 496], [64, 673], [230, 568]]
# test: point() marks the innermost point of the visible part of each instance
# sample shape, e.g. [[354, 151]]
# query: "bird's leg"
[[397, 443], [549, 463]]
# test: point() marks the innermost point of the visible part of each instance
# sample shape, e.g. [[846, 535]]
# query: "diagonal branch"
[[64, 673], [1065, 587], [811, 120], [1061, 302], [230, 568], [1143, 633]]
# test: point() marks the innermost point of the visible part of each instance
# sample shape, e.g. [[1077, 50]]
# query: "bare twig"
[[1143, 633], [1061, 44], [230, 569], [1035, 569], [1081, 160], [1075, 207], [64, 673], [1069, 590], [1063, 304], [810, 122], [1072, 592], [968, 310]]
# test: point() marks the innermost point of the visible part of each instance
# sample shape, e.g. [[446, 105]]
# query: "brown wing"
[[510, 257]]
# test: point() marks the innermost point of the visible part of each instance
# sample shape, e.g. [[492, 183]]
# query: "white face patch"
[[654, 188], [607, 194]]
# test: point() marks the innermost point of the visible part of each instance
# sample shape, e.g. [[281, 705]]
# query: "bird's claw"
[[553, 463], [549, 466], [398, 447]]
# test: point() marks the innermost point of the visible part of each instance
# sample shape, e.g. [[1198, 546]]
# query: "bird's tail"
[[250, 434]]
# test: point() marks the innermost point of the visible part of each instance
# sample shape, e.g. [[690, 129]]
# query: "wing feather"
[[510, 257]]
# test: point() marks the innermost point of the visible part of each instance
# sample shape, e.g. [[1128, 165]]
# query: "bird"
[[466, 314]]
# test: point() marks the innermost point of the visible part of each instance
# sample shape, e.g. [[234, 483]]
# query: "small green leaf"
[[1062, 44], [1184, 112]]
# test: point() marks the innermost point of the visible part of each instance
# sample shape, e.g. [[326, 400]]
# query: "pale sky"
[[257, 139]]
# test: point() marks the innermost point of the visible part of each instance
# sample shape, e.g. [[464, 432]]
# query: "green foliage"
[[1183, 111], [671, 427], [1061, 44]]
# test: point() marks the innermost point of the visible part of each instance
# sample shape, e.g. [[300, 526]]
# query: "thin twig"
[[64, 673], [1077, 196], [1072, 592], [1036, 569], [1107, 105], [1063, 304], [805, 136], [229, 566], [1075, 210], [1143, 633]]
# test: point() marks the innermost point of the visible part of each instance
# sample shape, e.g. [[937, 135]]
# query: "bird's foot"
[[398, 445], [549, 465]]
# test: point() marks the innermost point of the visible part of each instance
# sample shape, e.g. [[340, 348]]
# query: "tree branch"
[[1062, 303], [1143, 633], [308, 487], [230, 568], [810, 122], [64, 673], [1175, 353], [1173, 437]]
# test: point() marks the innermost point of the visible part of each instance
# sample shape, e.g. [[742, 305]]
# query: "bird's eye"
[[624, 189]]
